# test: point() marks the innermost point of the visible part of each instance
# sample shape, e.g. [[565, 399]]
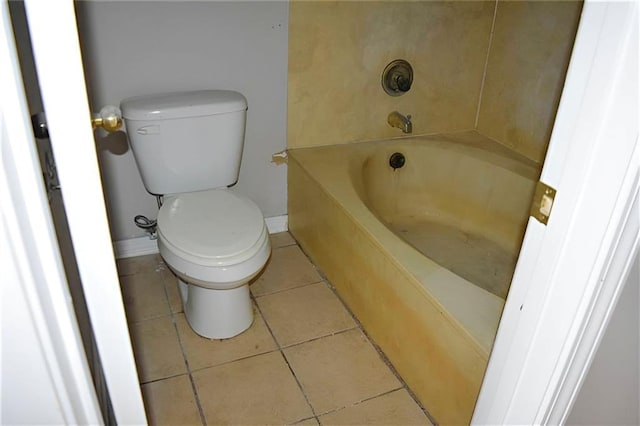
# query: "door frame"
[[57, 55], [571, 272]]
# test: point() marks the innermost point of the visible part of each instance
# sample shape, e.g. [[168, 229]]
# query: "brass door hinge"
[[542, 202]]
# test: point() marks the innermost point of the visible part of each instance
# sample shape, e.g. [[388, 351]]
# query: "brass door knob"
[[109, 118]]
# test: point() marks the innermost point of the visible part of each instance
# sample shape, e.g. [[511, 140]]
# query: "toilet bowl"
[[215, 242], [188, 148]]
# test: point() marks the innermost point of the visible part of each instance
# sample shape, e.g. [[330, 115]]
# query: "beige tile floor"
[[305, 360]]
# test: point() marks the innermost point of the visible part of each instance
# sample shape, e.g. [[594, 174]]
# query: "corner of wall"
[[531, 45], [486, 64]]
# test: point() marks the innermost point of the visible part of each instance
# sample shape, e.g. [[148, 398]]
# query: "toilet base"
[[217, 314]]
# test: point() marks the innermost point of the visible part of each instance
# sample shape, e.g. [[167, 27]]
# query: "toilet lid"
[[218, 227]]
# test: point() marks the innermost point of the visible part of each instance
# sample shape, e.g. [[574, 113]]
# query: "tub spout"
[[395, 119]]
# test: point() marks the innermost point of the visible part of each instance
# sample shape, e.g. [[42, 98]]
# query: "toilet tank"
[[186, 141]]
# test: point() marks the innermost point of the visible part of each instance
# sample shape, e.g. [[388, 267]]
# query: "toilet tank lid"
[[182, 105]]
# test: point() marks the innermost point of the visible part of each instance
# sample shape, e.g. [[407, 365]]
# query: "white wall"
[[610, 392], [135, 48]]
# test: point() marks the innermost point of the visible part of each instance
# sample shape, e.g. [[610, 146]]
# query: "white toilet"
[[188, 147]]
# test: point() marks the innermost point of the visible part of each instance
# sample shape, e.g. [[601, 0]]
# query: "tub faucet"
[[395, 119]]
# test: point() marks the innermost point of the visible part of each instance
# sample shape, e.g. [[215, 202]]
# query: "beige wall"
[[529, 55], [338, 49]]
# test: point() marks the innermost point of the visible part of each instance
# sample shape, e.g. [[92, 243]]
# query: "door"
[[571, 270], [56, 204], [45, 376], [57, 57]]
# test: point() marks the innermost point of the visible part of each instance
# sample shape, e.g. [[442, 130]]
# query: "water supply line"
[[150, 226]]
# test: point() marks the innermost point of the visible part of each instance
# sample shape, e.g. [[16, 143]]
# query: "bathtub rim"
[[478, 319]]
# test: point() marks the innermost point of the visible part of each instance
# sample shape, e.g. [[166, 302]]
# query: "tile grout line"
[[313, 339], [315, 267], [295, 377], [305, 419], [382, 355], [486, 66], [362, 401], [195, 370], [191, 381], [173, 376], [194, 389], [288, 289]]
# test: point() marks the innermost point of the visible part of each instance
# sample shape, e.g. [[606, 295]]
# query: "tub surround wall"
[[135, 48], [529, 56], [507, 89], [338, 50]]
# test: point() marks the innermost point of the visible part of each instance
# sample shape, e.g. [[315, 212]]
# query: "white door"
[[57, 56], [570, 272], [45, 376]]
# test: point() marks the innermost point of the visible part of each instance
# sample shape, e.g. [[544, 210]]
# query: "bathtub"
[[422, 254]]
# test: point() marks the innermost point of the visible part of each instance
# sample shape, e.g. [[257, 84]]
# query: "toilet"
[[188, 148]]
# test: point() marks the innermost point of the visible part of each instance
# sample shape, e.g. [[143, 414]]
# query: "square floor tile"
[[135, 265], [202, 352], [281, 239], [287, 268], [304, 313], [338, 371], [144, 295], [171, 402], [395, 408], [156, 349], [257, 390]]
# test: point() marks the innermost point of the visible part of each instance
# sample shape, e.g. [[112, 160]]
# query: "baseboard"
[[135, 247], [143, 245], [277, 224]]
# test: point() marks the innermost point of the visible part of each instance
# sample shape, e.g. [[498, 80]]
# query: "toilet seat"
[[213, 239]]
